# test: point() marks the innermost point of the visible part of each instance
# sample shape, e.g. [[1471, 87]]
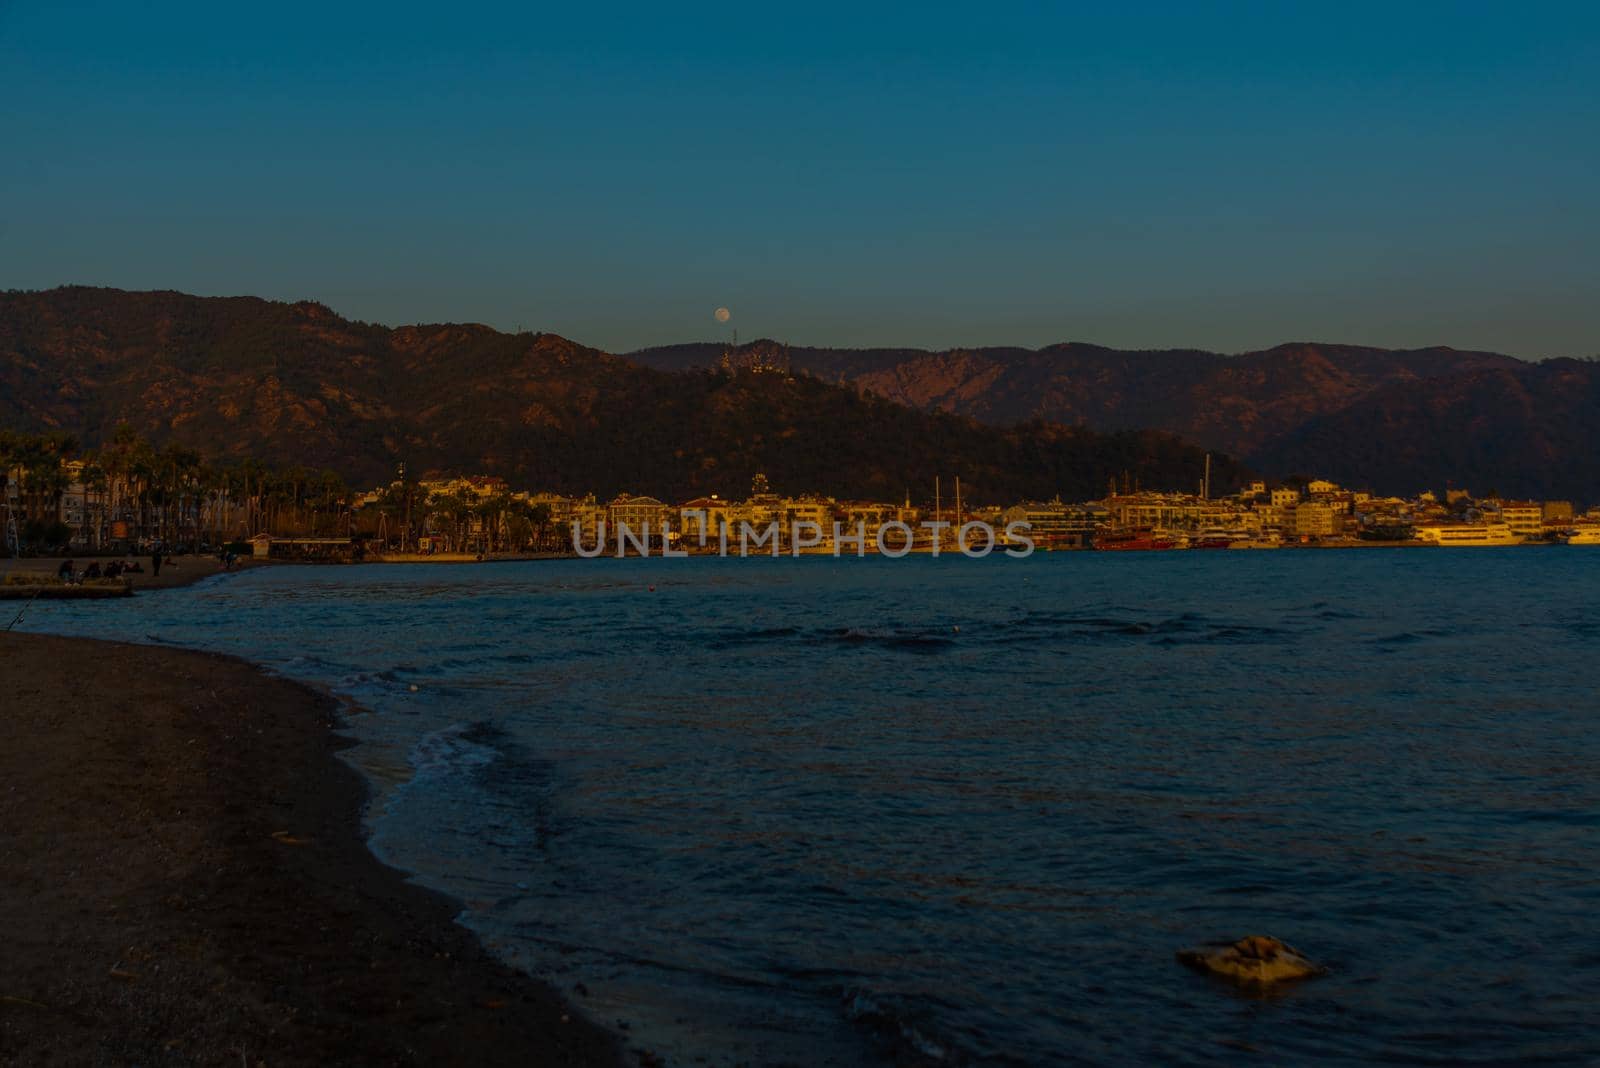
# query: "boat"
[[1467, 535], [1583, 536], [1216, 538], [1143, 539]]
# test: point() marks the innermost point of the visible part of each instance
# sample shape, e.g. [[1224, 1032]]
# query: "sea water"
[[964, 811]]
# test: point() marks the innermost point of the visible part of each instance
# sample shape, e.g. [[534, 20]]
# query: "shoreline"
[[191, 570], [175, 571], [188, 881]]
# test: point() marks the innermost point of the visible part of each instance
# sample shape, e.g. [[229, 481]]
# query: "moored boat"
[[1143, 539], [1262, 542], [1467, 535], [1220, 539]]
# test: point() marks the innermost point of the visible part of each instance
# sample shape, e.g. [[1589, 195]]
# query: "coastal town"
[[128, 497]]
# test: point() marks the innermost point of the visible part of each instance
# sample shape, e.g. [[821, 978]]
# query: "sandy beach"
[[186, 882]]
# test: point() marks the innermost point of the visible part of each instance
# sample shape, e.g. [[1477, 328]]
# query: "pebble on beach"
[[1254, 961]]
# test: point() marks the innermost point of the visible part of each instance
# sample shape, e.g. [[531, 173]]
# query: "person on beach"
[[67, 572], [92, 571], [114, 569], [155, 562]]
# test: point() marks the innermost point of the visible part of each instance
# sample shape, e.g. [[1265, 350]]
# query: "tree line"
[[133, 491], [129, 493]]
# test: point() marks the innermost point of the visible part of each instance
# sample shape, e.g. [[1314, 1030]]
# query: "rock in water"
[[1253, 961]]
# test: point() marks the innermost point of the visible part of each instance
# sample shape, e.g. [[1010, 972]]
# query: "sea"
[[953, 811]]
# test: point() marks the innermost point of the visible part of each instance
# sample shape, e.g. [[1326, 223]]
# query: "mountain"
[[1395, 420], [297, 384], [1530, 430]]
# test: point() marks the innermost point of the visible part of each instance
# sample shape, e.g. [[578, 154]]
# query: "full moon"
[[722, 315]]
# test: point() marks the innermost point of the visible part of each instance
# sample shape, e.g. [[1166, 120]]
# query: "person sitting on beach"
[[114, 569], [67, 572], [92, 571]]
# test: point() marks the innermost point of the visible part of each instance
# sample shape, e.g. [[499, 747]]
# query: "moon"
[[722, 315]]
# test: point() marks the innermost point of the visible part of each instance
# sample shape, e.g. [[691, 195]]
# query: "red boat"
[[1133, 539]]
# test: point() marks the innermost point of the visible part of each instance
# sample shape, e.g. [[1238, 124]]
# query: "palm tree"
[[176, 472], [456, 511], [95, 485], [252, 480], [10, 453], [141, 474], [115, 459], [540, 515], [494, 511], [333, 495]]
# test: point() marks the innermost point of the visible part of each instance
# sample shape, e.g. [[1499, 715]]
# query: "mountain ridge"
[[1264, 406], [287, 378], [295, 383], [1202, 395]]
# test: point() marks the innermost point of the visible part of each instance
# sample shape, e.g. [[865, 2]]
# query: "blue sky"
[[1221, 176]]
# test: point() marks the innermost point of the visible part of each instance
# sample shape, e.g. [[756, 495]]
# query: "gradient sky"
[[1224, 177]]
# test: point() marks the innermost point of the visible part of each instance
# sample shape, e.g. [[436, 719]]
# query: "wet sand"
[[180, 571], [185, 882]]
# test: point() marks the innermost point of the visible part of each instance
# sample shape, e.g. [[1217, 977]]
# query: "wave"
[[731, 639], [1187, 628], [458, 748], [917, 1032], [915, 641], [1410, 637]]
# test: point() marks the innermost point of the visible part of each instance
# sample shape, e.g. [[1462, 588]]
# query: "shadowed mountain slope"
[[295, 383], [1395, 420]]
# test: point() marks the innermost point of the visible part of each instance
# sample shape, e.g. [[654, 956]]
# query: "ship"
[[1216, 538], [1584, 536], [1467, 535], [1212, 539], [1138, 539]]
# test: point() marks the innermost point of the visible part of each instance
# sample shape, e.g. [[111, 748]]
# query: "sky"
[[1217, 176]]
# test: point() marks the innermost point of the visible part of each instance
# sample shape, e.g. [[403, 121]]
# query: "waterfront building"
[[1313, 519], [808, 509], [1153, 510], [715, 513], [1556, 511], [560, 508], [870, 514], [469, 487], [1525, 518], [1054, 525], [587, 514], [637, 513]]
